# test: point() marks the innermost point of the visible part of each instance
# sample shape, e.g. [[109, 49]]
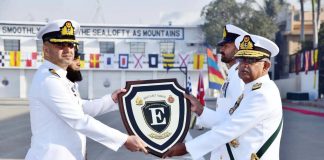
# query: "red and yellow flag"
[[82, 63], [94, 60], [14, 58], [198, 62]]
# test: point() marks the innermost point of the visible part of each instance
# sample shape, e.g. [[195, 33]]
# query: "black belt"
[[264, 147]]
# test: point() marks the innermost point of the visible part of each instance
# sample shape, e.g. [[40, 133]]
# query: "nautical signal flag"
[[189, 87], [138, 60], [2, 59], [153, 60], [94, 60], [168, 60], [108, 60], [31, 59], [215, 77], [315, 65], [315, 57], [14, 58], [184, 59], [307, 53], [200, 89], [198, 62], [82, 63], [123, 61]]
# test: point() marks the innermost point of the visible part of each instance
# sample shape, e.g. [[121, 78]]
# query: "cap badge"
[[67, 29], [224, 32], [247, 43]]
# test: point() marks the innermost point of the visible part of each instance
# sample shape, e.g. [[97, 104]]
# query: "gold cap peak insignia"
[[139, 101], [67, 29], [247, 43]]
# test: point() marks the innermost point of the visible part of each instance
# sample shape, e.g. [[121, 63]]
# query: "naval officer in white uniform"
[[253, 128], [60, 122], [232, 87]]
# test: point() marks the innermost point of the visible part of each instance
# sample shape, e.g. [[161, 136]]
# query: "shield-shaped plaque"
[[156, 111]]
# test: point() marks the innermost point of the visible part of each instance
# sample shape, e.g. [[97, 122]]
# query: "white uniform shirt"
[[60, 121], [231, 90], [253, 122]]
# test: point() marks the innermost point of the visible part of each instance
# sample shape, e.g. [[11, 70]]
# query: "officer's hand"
[[114, 95], [177, 150], [196, 106], [134, 144]]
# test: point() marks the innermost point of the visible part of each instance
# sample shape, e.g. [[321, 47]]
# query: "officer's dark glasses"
[[61, 45], [249, 60]]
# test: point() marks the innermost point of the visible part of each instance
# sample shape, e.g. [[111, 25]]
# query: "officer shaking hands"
[[253, 128], [60, 122]]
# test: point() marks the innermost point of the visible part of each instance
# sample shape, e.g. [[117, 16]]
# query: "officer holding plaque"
[[252, 129], [60, 121]]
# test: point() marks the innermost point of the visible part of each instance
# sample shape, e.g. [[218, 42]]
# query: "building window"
[[167, 47], [81, 47], [137, 47], [39, 45], [107, 47], [12, 45]]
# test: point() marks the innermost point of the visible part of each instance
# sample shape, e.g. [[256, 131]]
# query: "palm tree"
[[302, 22], [315, 21]]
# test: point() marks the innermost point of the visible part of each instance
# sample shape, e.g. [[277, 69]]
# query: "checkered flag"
[[2, 59], [193, 115], [189, 89]]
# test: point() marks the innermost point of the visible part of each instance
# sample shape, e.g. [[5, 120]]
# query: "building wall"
[[299, 83], [13, 87], [98, 82], [290, 30]]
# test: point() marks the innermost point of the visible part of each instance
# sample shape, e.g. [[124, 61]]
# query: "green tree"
[[321, 39], [250, 16]]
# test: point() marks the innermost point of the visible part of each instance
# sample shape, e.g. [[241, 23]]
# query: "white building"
[[138, 42]]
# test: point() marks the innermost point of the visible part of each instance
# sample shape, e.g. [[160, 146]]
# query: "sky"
[[120, 12]]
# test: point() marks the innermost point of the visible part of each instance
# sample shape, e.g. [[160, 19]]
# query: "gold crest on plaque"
[[139, 101]]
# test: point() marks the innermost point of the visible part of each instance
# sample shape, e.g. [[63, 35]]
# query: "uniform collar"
[[234, 66], [60, 71], [262, 79]]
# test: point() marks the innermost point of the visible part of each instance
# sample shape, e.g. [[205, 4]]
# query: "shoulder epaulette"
[[54, 72], [256, 86]]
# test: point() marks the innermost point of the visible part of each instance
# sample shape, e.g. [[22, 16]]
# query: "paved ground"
[[302, 135]]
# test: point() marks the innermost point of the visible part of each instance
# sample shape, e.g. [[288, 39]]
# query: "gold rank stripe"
[[63, 40], [250, 53]]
